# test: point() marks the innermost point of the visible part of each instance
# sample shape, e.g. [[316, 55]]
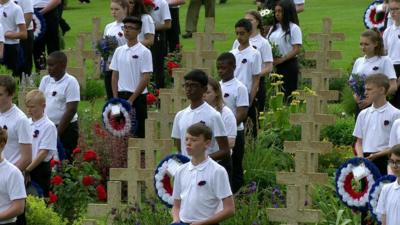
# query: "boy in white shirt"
[[1, 43], [44, 142], [12, 187], [27, 44], [201, 186]]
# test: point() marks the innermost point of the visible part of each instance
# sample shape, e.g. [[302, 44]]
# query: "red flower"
[[178, 46], [157, 92], [87, 180], [149, 3], [101, 193], [54, 162], [171, 65], [76, 151], [89, 155], [150, 98], [52, 197], [56, 180]]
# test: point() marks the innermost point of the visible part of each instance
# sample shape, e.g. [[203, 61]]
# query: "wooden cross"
[[165, 115], [26, 85]]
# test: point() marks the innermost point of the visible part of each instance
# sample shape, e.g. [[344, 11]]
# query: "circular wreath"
[[39, 25], [375, 192], [344, 176], [163, 181], [372, 18], [121, 125]]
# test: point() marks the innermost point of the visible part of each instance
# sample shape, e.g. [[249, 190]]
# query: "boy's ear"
[[208, 143]]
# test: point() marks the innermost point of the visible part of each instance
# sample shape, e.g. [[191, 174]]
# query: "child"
[[12, 187], [374, 123], [201, 186], [388, 203], [132, 67], [62, 98], [237, 99], [44, 142], [138, 9], [1, 43]]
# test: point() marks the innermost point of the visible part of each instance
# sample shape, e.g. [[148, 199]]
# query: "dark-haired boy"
[[201, 186], [132, 67]]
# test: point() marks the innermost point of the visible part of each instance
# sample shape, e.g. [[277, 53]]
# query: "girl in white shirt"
[[138, 9]]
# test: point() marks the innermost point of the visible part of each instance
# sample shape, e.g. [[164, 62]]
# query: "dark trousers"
[[173, 33], [69, 139], [253, 114], [50, 40], [27, 48], [290, 71], [227, 164], [10, 224], [261, 95], [158, 52], [395, 101], [237, 160], [140, 106], [10, 57], [41, 175], [107, 83]]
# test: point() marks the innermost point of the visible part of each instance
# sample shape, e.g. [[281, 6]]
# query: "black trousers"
[[107, 83], [227, 164], [237, 162], [50, 40], [69, 139], [158, 52], [395, 101], [140, 106], [41, 175], [261, 95], [253, 115], [10, 57], [290, 71], [173, 33], [27, 48]]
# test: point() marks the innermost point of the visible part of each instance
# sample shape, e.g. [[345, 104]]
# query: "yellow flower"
[[280, 93], [274, 84], [274, 75], [295, 93]]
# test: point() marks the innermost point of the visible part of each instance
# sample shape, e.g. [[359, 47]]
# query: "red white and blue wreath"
[[344, 176], [374, 195], [163, 177], [373, 17], [122, 123], [39, 25]]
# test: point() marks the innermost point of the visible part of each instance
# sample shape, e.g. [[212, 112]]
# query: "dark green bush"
[[340, 133], [94, 89]]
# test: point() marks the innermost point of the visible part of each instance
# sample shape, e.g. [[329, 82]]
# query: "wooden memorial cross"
[[165, 115]]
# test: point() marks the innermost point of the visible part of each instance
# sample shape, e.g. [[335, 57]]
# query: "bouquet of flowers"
[[267, 16], [149, 4], [173, 60], [357, 84], [106, 46], [276, 53]]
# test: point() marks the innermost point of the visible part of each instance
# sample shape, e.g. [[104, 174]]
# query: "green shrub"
[[348, 102], [328, 163], [94, 89], [38, 213], [340, 133]]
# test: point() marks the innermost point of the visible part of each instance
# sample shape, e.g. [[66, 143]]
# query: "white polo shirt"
[[248, 64], [44, 136], [40, 3], [298, 2], [229, 122], [12, 187], [391, 41], [204, 113], [201, 189], [262, 45], [389, 203], [373, 126], [131, 63], [18, 132], [235, 95], [285, 43], [394, 137], [27, 7], [1, 34], [115, 29], [11, 16], [161, 12], [374, 65], [148, 27], [58, 94]]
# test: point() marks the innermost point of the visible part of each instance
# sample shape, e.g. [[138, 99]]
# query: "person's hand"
[[362, 104], [27, 179], [196, 223], [278, 61], [372, 157]]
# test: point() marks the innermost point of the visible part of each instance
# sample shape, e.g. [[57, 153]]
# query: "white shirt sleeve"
[[176, 131], [388, 68], [24, 131], [235, 44], [218, 126], [114, 60], [381, 207], [176, 193], [16, 186], [148, 26], [48, 140], [2, 39], [42, 84], [19, 16], [266, 52], [358, 127], [256, 66], [296, 36], [385, 39], [26, 5], [72, 93], [165, 13], [394, 134], [230, 122], [147, 62], [242, 97], [221, 186]]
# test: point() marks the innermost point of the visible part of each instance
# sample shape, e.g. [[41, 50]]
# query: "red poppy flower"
[[149, 3], [150, 98], [52, 197], [89, 155], [54, 162], [171, 65], [101, 193], [56, 180], [87, 180], [76, 151]]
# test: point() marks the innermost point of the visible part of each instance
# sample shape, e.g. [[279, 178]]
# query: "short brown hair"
[[395, 150], [199, 129], [35, 96], [379, 80], [3, 135], [8, 83]]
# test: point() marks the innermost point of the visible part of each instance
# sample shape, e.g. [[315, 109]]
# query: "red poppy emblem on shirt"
[[120, 34], [135, 56], [54, 93], [156, 8], [202, 183], [386, 122], [375, 68], [255, 47], [226, 95], [244, 61], [4, 14]]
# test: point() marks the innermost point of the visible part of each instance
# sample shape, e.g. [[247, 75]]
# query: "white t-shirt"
[[248, 64], [131, 63], [44, 137], [374, 65], [285, 43], [12, 187], [389, 204], [373, 126], [18, 132], [11, 16], [161, 12], [115, 29], [394, 138], [391, 41], [40, 3], [262, 45], [58, 94], [235, 95], [201, 189], [148, 27], [229, 121], [27, 7], [2, 40], [204, 113]]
